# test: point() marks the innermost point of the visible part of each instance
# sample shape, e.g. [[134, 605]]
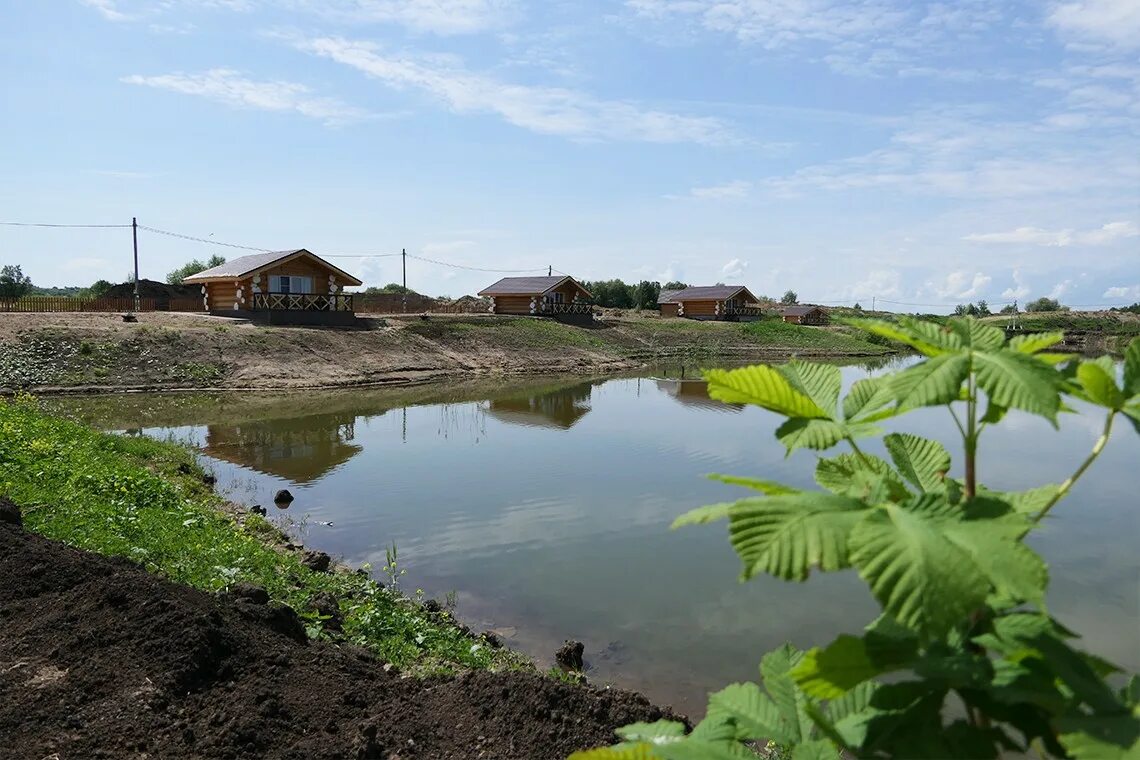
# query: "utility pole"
[[135, 239], [404, 262], [872, 303], [549, 270]]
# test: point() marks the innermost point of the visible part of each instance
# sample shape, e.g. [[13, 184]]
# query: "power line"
[[473, 269], [36, 224], [203, 240]]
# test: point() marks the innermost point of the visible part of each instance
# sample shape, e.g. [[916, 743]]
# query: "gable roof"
[[711, 293], [667, 296], [528, 286], [799, 311], [243, 266]]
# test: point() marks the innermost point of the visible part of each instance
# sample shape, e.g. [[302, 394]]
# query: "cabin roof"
[[710, 293], [667, 296], [799, 311], [528, 286], [244, 266]]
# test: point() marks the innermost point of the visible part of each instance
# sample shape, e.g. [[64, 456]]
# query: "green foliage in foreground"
[[144, 499], [962, 595]]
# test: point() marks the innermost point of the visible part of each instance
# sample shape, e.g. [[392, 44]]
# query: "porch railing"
[[742, 311], [302, 302], [549, 307]]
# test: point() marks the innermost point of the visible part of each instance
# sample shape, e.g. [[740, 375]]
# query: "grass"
[[144, 499], [779, 333], [507, 332]]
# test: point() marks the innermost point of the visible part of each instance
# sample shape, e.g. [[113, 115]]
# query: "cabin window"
[[288, 284]]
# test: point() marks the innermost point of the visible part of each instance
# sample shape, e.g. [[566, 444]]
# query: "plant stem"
[[859, 452], [971, 439], [1068, 484]]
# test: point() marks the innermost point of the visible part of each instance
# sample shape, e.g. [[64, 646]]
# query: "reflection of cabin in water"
[[299, 449], [695, 393], [557, 409]]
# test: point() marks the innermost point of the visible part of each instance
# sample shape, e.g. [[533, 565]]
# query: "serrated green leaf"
[[1100, 386], [995, 413], [933, 382], [819, 382], [956, 668], [764, 386], [1034, 342], [922, 578], [867, 478], [698, 750], [853, 701], [1132, 368], [1012, 568], [715, 728], [1027, 502], [977, 335], [618, 752], [1132, 410], [799, 432], [659, 732], [899, 332], [1130, 692], [769, 487], [706, 514], [921, 461], [787, 536], [791, 703], [817, 749], [752, 712], [848, 661], [1101, 737], [866, 397], [1019, 381]]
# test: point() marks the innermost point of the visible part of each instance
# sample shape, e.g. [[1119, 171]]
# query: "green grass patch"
[[507, 331], [783, 335], [144, 499]]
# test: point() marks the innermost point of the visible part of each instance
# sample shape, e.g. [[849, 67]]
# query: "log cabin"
[[724, 302], [539, 296], [805, 315], [284, 287]]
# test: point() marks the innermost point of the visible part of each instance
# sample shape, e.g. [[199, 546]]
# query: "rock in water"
[[283, 498], [316, 561], [569, 656]]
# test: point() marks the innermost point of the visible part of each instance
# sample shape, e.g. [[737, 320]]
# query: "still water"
[[546, 506]]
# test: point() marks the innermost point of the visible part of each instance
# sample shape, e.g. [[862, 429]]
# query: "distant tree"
[[1009, 308], [675, 285], [193, 266], [1044, 304], [13, 282], [1133, 309], [790, 298], [983, 308], [857, 307], [646, 293], [392, 287], [98, 288], [613, 294], [965, 309]]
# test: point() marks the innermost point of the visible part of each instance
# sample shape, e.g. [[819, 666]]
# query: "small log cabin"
[[805, 315], [728, 302], [286, 287], [538, 296]]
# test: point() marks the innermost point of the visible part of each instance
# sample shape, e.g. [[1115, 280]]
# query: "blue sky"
[[924, 153]]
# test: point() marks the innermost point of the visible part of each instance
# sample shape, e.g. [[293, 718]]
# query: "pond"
[[545, 506]]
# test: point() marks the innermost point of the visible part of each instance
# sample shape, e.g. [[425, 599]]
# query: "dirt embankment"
[[45, 352], [98, 658]]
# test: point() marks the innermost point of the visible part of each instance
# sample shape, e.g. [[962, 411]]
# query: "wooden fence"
[[62, 303], [393, 303]]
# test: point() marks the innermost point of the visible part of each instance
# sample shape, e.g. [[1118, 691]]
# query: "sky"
[[915, 153]]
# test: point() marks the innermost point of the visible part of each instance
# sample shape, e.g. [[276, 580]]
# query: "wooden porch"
[[302, 302]]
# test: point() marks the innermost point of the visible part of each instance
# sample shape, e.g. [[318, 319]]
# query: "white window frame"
[[297, 285]]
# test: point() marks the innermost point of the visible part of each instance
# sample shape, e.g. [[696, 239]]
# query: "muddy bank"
[[99, 658], [47, 353]]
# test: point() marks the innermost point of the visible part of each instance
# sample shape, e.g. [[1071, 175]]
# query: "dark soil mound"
[[153, 289], [98, 658]]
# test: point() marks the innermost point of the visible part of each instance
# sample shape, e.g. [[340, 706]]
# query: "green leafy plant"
[[975, 665]]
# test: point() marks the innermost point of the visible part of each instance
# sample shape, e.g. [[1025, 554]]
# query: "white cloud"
[[108, 9], [735, 189], [1115, 23], [230, 87], [734, 268], [1019, 290], [1059, 238], [1123, 291], [960, 284], [438, 16], [546, 110], [1060, 289]]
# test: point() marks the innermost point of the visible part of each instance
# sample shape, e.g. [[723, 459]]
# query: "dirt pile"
[[98, 658]]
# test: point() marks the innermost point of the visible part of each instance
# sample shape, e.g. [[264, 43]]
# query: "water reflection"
[[694, 393], [560, 408], [298, 449]]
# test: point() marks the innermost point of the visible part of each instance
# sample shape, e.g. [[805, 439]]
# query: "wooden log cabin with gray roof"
[[556, 296], [723, 302], [282, 287]]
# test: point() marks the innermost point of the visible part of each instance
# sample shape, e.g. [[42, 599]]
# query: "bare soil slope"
[[98, 658]]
